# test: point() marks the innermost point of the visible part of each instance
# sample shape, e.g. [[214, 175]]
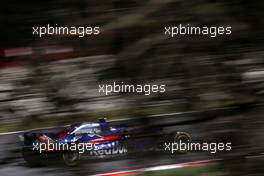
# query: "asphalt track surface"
[[18, 167]]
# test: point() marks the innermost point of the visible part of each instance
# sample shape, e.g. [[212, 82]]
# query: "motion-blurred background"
[[53, 80]]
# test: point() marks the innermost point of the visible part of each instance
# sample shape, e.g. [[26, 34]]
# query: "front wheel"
[[182, 137]]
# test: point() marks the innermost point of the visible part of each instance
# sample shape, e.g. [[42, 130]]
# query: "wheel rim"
[[71, 158]]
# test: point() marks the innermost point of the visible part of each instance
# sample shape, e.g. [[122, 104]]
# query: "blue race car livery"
[[93, 140]]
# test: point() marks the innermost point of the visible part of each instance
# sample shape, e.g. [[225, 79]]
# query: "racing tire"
[[71, 158], [182, 137]]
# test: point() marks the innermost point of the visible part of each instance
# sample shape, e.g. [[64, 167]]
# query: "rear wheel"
[[71, 158]]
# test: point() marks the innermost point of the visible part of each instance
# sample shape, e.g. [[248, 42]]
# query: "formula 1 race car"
[[92, 140]]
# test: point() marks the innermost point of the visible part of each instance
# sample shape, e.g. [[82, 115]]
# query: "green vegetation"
[[38, 122]]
